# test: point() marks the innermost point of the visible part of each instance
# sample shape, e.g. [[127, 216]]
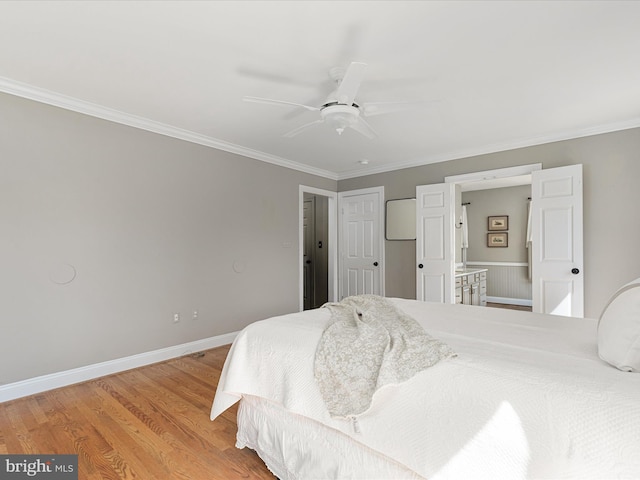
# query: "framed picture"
[[498, 223], [498, 239]]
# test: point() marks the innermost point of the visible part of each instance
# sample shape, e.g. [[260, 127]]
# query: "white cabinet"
[[471, 286]]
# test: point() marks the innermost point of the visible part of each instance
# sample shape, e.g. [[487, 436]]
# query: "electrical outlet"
[[195, 314], [176, 317]]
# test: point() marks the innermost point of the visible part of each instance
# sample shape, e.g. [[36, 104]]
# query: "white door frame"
[[490, 176], [333, 242], [381, 245]]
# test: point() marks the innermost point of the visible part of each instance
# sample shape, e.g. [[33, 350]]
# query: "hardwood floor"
[[510, 307], [151, 423]]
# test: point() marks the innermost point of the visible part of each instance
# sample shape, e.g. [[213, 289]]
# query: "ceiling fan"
[[340, 110]]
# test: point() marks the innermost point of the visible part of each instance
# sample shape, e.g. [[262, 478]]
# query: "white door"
[[435, 242], [361, 241], [557, 269]]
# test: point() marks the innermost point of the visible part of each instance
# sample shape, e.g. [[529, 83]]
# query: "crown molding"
[[497, 147], [55, 99], [41, 95]]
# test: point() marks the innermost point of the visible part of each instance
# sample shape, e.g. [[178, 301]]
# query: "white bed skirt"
[[297, 448]]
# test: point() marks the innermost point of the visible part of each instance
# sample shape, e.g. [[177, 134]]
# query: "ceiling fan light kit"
[[339, 116], [340, 110]]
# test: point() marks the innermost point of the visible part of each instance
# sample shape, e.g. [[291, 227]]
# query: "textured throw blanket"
[[369, 343]]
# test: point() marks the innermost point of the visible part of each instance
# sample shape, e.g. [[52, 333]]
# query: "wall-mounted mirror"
[[401, 219]]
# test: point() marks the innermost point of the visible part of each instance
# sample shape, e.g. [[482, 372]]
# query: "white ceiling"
[[495, 75]]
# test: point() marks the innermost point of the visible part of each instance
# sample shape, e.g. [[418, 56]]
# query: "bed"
[[526, 396]]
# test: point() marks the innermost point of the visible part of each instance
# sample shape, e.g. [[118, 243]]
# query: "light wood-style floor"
[[509, 307], [151, 423]]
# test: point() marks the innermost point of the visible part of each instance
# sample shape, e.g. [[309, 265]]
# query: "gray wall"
[[511, 201], [611, 198], [152, 226]]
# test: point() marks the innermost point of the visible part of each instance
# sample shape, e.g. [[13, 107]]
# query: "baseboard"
[[510, 301], [43, 383]]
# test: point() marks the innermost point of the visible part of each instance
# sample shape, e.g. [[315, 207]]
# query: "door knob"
[[420, 265], [308, 262], [575, 271], [375, 264]]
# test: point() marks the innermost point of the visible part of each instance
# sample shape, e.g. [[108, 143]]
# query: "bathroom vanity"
[[471, 286]]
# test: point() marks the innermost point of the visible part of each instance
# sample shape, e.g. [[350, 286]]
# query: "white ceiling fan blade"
[[350, 83], [380, 108], [270, 101], [298, 130], [362, 127], [270, 76]]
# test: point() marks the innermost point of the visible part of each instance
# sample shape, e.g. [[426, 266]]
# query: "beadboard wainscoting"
[[507, 282]]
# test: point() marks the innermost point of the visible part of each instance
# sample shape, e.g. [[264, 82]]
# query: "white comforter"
[[527, 396]]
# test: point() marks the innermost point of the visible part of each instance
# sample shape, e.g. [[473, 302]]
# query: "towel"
[[529, 240], [465, 228]]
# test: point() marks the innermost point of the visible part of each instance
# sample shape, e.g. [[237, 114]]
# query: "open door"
[[309, 226], [331, 246], [435, 242], [557, 268]]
